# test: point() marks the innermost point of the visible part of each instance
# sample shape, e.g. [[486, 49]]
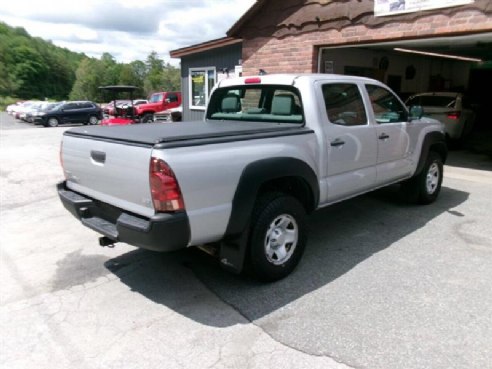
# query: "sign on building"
[[392, 7]]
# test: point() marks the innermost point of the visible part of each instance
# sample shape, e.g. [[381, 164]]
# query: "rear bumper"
[[162, 232]]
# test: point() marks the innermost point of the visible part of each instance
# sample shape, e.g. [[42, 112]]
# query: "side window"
[[344, 104], [387, 108], [86, 105], [70, 106], [172, 97]]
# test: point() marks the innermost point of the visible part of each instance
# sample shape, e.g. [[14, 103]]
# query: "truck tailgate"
[[112, 172]]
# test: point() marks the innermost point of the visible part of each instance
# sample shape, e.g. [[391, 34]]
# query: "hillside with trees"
[[33, 68]]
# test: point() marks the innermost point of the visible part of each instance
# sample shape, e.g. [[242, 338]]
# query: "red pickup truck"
[[158, 102]]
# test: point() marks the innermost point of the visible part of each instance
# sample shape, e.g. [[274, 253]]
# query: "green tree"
[[88, 80], [160, 76], [31, 67], [29, 71]]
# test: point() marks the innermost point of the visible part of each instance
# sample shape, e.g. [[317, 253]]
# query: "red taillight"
[[454, 115], [166, 194], [253, 80]]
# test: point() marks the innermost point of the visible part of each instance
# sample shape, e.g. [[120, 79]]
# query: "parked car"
[[36, 116], [20, 112], [240, 184], [27, 114], [10, 109], [451, 108], [158, 102], [85, 112]]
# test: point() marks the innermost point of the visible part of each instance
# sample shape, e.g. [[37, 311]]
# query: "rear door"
[[351, 148], [85, 109], [69, 113], [390, 118]]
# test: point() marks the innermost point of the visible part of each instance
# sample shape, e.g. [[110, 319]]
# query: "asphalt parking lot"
[[382, 284]]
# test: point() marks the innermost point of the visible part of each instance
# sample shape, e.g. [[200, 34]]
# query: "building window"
[[202, 80]]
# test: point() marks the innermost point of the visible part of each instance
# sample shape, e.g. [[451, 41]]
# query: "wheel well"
[[441, 149], [294, 186]]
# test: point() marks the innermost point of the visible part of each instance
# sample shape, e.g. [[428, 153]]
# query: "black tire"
[[93, 120], [148, 118], [52, 122], [425, 187], [276, 216]]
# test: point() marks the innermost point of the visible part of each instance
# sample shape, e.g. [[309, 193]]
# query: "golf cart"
[[123, 112]]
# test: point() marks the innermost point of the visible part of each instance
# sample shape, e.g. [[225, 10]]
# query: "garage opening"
[[458, 64]]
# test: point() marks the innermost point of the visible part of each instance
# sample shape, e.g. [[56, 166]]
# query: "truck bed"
[[180, 134]]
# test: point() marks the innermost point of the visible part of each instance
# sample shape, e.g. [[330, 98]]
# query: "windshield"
[[156, 98], [258, 103]]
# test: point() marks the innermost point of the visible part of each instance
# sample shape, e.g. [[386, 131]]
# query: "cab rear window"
[[258, 103]]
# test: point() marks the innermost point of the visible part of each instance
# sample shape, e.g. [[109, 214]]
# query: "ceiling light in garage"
[[438, 55]]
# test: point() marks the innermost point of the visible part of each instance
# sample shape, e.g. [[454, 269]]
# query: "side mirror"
[[416, 112]]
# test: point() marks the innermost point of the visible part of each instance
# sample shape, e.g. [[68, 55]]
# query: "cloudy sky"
[[128, 29]]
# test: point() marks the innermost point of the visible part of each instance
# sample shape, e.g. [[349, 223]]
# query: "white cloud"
[[128, 29]]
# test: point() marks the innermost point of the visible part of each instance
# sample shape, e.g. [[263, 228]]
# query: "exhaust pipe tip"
[[106, 242]]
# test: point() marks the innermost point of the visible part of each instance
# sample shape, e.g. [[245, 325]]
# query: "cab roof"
[[289, 79]]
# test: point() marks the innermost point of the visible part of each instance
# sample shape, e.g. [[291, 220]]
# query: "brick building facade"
[[286, 35]]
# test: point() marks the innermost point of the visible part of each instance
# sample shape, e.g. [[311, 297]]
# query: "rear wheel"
[[52, 122], [148, 118], [425, 187], [278, 236], [93, 120]]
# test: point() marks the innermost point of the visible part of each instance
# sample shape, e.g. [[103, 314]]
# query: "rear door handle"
[[337, 142], [383, 136]]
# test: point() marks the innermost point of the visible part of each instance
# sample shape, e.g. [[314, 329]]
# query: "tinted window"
[[172, 97], [70, 106], [279, 104], [86, 105], [387, 108], [344, 105]]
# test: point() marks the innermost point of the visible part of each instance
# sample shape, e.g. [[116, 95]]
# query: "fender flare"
[[436, 141], [260, 172]]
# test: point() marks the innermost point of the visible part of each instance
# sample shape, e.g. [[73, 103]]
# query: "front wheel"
[[425, 187], [52, 122], [148, 118], [278, 236]]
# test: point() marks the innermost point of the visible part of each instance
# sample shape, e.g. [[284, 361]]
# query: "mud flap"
[[232, 254]]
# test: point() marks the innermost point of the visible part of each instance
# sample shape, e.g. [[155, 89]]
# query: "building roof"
[[204, 46], [245, 17]]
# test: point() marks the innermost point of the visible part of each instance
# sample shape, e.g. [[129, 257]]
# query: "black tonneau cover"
[[179, 134]]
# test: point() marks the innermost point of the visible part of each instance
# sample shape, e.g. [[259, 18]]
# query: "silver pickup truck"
[[271, 150]]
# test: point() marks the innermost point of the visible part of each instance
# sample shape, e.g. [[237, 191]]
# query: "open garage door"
[[458, 64]]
